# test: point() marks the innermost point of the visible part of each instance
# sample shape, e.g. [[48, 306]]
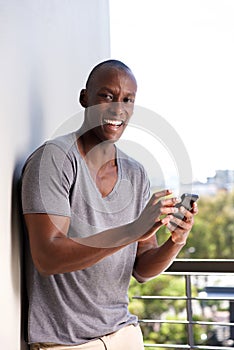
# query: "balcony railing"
[[198, 267]]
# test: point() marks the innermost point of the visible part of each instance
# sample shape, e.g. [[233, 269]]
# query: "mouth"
[[113, 123]]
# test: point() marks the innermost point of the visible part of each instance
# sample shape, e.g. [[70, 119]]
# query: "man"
[[91, 225]]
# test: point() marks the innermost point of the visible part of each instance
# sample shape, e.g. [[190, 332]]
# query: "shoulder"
[[64, 142], [61, 146], [59, 155]]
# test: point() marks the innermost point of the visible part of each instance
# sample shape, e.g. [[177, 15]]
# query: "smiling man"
[[91, 225], [107, 84]]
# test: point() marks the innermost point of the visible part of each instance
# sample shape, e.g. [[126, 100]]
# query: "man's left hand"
[[180, 228]]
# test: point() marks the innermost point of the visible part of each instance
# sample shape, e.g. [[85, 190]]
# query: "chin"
[[110, 137], [110, 140]]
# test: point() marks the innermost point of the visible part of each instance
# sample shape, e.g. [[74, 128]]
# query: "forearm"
[[156, 260], [65, 255], [70, 254], [61, 254]]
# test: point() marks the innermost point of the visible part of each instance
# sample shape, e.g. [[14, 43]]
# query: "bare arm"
[[53, 252]]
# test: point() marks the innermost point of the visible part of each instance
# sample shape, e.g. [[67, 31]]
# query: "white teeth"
[[113, 122]]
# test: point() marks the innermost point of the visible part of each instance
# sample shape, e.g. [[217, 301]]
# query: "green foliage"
[[212, 237], [162, 285], [148, 309], [159, 309]]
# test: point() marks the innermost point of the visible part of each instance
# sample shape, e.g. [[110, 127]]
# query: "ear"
[[84, 98]]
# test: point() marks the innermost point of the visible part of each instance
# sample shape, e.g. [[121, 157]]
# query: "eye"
[[128, 100], [107, 97]]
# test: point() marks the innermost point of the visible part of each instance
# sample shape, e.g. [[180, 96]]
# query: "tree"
[[212, 237]]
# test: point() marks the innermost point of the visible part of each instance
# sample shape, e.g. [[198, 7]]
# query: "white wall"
[[47, 49]]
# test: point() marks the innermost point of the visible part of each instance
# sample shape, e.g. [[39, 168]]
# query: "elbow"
[[45, 266], [43, 269], [46, 272], [141, 279], [46, 261]]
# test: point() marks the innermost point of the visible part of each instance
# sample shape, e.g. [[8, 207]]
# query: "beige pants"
[[129, 337]]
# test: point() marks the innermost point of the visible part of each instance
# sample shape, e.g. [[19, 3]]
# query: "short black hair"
[[108, 63]]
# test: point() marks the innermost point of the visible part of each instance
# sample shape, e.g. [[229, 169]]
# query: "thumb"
[[151, 231], [165, 221]]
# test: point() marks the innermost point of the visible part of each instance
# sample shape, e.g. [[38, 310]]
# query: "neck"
[[95, 152]]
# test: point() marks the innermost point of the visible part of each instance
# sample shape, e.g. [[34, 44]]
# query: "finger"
[[194, 210], [168, 210], [165, 221], [160, 194], [170, 201], [176, 230], [182, 224], [187, 215], [151, 231]]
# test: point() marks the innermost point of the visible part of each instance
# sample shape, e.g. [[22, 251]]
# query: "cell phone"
[[187, 200]]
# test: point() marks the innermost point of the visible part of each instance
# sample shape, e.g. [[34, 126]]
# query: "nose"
[[117, 108]]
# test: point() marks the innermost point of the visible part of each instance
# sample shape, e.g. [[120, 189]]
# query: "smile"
[[116, 123]]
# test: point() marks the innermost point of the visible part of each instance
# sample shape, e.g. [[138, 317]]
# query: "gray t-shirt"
[[74, 308]]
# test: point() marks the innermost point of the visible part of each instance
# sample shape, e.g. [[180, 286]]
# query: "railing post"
[[231, 309], [189, 310]]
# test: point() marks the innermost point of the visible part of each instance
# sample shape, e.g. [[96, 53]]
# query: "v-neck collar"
[[91, 180]]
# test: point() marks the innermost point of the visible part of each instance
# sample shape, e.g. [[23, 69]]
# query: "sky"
[[182, 54]]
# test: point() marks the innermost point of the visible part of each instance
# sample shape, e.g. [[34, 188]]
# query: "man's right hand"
[[156, 214]]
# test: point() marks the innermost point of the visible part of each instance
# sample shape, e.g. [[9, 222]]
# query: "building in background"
[[223, 180]]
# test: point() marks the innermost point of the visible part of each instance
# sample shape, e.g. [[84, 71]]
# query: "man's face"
[[109, 103]]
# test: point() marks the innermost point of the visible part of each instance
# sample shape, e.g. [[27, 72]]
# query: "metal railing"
[[189, 268]]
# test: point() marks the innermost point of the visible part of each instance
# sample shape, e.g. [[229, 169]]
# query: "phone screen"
[[187, 200]]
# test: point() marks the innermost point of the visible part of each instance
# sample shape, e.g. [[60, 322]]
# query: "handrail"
[[201, 266], [162, 297], [187, 322], [189, 267], [201, 347]]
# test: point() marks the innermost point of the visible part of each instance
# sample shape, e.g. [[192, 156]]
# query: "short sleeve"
[[141, 188], [146, 188], [46, 181]]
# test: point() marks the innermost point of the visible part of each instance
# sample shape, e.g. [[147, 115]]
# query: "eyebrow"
[[105, 88]]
